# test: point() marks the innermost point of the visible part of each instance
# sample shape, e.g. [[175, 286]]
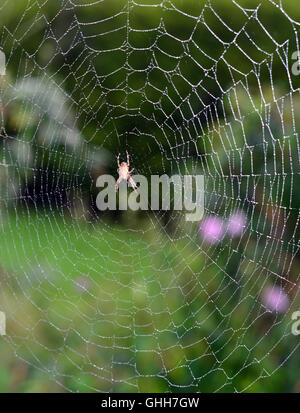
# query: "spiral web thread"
[[95, 305]]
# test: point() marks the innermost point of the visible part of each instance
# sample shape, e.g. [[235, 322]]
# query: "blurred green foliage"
[[101, 316], [111, 304]]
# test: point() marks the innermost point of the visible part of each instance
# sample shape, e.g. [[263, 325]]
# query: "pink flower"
[[275, 299], [236, 224], [211, 229]]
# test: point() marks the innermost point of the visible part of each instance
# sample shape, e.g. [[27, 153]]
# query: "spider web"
[[142, 301]]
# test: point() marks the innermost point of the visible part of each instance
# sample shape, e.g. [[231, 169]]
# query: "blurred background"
[[123, 301]]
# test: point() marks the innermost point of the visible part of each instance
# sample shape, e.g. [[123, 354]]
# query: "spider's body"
[[124, 172]]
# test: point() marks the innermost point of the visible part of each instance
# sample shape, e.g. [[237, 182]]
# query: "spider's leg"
[[118, 160], [130, 172], [128, 162], [132, 183], [118, 183]]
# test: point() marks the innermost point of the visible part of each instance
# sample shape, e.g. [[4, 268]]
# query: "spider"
[[124, 172]]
